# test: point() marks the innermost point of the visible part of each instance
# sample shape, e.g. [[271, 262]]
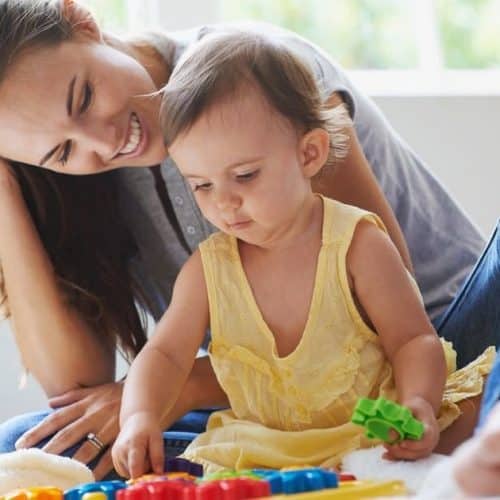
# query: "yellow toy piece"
[[94, 495], [149, 478], [351, 490], [35, 493]]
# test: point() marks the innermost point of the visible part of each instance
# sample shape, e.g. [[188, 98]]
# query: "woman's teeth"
[[135, 136]]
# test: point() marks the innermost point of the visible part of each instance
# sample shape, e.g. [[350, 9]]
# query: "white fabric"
[[33, 467], [369, 464]]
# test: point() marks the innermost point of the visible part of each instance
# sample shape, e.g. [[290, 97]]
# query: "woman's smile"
[[135, 141]]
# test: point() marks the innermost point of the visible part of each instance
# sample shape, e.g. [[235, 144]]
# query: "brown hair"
[[221, 64], [76, 216]]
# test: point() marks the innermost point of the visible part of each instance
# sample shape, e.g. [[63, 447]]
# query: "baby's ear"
[[314, 149], [81, 19]]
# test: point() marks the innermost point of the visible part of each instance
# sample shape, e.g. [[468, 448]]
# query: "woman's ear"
[[81, 19], [314, 150]]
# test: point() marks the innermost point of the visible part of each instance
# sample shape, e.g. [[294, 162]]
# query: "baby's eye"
[[246, 176], [202, 187]]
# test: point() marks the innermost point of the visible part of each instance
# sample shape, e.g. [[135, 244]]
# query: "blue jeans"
[[472, 322], [491, 394], [175, 439]]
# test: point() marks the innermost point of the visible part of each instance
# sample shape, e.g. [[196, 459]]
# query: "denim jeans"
[[491, 394], [472, 322]]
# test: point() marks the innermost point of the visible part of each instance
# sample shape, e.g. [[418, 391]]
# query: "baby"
[[308, 302]]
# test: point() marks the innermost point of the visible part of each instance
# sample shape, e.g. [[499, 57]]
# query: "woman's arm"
[[352, 181], [55, 343], [202, 388]]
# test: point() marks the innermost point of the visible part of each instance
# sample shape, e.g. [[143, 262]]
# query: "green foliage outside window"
[[364, 34], [470, 33], [380, 34], [359, 33], [111, 14]]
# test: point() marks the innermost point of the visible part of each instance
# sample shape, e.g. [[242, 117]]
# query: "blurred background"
[[433, 66], [361, 34]]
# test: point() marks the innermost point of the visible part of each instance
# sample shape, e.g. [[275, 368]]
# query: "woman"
[[75, 101]]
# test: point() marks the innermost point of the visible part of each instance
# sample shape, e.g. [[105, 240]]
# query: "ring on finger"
[[93, 439]]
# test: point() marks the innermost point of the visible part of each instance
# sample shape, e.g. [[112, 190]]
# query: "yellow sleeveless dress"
[[296, 410]]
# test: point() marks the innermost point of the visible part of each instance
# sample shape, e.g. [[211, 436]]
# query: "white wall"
[[457, 136]]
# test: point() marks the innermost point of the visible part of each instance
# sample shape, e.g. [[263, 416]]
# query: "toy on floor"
[[309, 483], [380, 416], [33, 467]]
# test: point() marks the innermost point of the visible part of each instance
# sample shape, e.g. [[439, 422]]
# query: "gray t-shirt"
[[443, 243]]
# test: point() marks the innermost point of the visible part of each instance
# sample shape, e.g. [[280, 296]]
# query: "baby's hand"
[[411, 449], [139, 446]]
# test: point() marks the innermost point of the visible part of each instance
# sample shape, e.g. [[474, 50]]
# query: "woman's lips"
[[143, 143]]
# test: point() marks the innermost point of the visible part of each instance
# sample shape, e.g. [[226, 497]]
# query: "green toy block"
[[228, 474], [380, 416]]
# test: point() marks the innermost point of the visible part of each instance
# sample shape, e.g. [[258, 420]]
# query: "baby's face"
[[243, 161]]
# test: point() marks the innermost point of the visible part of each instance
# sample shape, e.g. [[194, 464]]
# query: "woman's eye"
[[247, 175], [87, 97]]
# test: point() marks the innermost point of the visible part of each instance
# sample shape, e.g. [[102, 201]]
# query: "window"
[[389, 46], [470, 33], [111, 14], [421, 41], [388, 34], [122, 16]]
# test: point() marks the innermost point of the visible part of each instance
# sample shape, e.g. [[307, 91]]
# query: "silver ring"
[[92, 438]]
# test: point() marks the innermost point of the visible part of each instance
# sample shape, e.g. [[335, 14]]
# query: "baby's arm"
[[159, 372], [386, 295]]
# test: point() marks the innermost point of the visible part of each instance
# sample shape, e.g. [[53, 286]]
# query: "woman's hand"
[[96, 410], [139, 446], [414, 449], [78, 413]]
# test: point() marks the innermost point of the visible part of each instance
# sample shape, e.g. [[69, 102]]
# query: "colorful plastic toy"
[[307, 483], [351, 490], [103, 490], [231, 489], [346, 476], [151, 478], [298, 481], [228, 474], [380, 416], [35, 493]]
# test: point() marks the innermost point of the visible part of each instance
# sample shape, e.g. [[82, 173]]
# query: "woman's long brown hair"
[[77, 217]]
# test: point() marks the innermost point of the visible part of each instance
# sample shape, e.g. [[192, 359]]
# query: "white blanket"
[[369, 464], [33, 467]]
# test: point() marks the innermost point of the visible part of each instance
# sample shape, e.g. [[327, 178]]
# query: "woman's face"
[[79, 107]]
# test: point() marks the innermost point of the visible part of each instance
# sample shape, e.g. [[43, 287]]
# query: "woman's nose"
[[101, 139]]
